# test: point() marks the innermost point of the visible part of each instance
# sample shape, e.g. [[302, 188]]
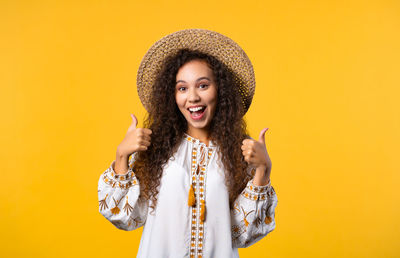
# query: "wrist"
[[262, 176], [120, 154]]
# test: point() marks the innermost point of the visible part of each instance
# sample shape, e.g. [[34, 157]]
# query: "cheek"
[[178, 101], [214, 107], [214, 101], [181, 105], [211, 97]]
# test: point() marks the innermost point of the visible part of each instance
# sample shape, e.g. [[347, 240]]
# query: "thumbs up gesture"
[[255, 152], [136, 139]]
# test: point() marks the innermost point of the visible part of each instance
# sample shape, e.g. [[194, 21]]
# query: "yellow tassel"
[[203, 211], [192, 198]]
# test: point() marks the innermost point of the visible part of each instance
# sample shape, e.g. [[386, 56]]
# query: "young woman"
[[192, 176]]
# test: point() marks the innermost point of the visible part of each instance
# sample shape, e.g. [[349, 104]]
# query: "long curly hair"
[[227, 128]]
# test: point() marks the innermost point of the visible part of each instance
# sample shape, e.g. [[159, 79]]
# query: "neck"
[[202, 134]]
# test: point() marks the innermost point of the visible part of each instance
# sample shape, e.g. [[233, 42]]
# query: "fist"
[[136, 139], [255, 152]]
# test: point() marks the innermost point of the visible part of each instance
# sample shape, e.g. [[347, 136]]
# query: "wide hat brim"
[[210, 42]]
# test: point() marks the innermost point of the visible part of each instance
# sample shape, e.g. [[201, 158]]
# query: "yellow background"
[[327, 76]]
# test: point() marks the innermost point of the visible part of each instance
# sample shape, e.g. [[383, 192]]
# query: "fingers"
[[142, 145], [144, 142], [143, 133], [248, 141], [138, 138], [261, 137], [248, 158], [147, 131], [132, 126], [143, 139], [134, 120], [248, 144], [248, 153], [248, 149], [140, 132], [255, 152], [141, 148]]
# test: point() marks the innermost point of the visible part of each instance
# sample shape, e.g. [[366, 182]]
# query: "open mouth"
[[197, 112]]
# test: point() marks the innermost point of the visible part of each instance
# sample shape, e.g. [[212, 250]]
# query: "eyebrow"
[[201, 78]]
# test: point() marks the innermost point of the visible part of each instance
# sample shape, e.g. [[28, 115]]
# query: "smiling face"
[[196, 95]]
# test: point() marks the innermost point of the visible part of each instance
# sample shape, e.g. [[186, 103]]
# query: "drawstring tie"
[[191, 194], [203, 210], [192, 198], [192, 202]]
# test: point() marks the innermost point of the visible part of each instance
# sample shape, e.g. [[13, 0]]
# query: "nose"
[[193, 96]]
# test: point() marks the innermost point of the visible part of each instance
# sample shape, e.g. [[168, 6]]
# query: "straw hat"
[[210, 42]]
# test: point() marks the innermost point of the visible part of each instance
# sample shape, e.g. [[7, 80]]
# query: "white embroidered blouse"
[[176, 229]]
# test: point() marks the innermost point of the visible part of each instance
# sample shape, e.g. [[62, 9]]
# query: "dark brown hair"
[[227, 128]]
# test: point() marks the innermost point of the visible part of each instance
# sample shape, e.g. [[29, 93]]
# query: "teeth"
[[195, 109]]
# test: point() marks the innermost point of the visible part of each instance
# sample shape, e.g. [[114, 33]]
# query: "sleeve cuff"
[[123, 181], [253, 192]]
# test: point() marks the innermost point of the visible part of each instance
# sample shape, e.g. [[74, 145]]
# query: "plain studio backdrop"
[[327, 86]]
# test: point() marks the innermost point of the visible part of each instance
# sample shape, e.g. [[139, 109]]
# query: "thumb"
[[261, 138], [134, 120]]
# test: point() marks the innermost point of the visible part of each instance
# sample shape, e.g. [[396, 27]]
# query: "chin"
[[199, 125]]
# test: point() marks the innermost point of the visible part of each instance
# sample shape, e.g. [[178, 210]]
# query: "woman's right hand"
[[136, 139]]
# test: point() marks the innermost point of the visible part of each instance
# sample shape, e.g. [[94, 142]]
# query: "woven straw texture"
[[209, 42]]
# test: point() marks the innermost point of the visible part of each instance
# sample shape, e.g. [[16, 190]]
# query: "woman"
[[192, 176]]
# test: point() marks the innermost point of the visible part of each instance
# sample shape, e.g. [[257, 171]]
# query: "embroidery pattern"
[[245, 214], [116, 210], [258, 220], [237, 231], [123, 182], [236, 209], [135, 221], [103, 203], [127, 208], [268, 218], [114, 180], [241, 227], [198, 178], [254, 193]]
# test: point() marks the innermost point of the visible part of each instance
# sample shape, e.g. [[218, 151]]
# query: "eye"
[[179, 89], [205, 85]]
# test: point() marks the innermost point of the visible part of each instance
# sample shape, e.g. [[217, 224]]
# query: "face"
[[196, 94]]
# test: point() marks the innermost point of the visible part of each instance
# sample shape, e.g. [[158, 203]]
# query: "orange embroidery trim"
[[116, 210], [103, 203], [127, 208], [115, 180], [257, 192], [198, 210]]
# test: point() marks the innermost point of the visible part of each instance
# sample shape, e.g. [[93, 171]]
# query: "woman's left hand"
[[256, 154]]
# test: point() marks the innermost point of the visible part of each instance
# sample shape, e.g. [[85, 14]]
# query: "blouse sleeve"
[[119, 199], [253, 214]]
